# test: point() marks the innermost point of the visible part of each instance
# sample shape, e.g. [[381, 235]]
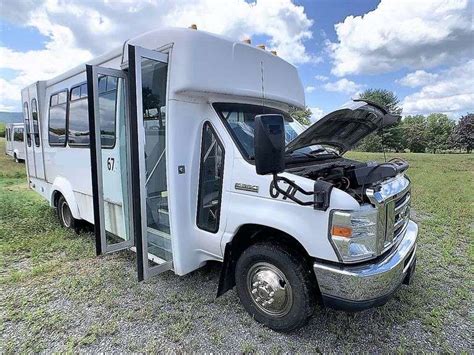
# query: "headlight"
[[354, 234]]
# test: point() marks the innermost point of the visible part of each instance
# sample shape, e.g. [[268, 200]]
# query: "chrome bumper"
[[364, 286]]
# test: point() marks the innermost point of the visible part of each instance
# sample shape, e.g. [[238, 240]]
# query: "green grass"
[[56, 295]]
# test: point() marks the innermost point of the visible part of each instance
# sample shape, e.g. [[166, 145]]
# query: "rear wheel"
[[16, 158], [64, 214], [274, 286]]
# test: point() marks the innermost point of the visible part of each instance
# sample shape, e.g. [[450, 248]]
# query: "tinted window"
[[78, 128], [76, 93], [78, 125], [18, 135], [34, 115], [57, 119], [210, 180], [83, 90], [62, 97], [26, 116], [102, 84], [107, 104], [240, 120]]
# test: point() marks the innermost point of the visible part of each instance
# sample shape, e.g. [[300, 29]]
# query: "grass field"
[[56, 295]]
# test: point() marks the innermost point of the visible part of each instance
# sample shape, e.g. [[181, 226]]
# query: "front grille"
[[392, 198], [396, 225]]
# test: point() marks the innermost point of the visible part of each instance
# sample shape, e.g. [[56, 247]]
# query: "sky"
[[421, 50]]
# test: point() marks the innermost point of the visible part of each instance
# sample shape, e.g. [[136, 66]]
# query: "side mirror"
[[269, 142]]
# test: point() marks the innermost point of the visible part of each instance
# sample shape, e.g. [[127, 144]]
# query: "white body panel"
[[202, 69]]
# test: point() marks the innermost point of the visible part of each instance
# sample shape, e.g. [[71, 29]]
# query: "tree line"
[[434, 133]]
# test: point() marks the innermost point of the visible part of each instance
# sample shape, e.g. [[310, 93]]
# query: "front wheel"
[[274, 286], [64, 214]]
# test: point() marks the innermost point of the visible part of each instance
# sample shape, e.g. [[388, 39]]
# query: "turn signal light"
[[341, 231]]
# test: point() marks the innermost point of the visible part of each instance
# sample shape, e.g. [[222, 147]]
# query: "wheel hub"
[[269, 289], [66, 213]]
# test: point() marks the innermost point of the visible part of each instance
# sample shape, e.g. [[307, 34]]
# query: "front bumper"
[[364, 286]]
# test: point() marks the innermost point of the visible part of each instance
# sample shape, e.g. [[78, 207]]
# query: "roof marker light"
[[274, 52], [247, 40], [261, 46], [193, 26]]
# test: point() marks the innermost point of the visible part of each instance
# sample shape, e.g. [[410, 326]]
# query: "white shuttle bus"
[[179, 146], [15, 141]]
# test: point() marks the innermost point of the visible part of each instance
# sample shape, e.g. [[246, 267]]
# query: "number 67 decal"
[[110, 163]]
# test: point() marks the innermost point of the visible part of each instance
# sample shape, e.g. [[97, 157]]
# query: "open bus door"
[[141, 163]]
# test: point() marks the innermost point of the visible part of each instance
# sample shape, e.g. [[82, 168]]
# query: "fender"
[[63, 186]]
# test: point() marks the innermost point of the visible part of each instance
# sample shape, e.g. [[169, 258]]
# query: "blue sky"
[[423, 51]]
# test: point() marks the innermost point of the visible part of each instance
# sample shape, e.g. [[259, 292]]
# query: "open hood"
[[345, 127]]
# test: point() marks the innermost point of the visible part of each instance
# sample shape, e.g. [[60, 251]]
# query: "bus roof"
[[205, 64]]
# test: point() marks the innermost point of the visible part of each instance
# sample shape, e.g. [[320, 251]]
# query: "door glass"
[[210, 180], [113, 184], [154, 79], [27, 123], [34, 114]]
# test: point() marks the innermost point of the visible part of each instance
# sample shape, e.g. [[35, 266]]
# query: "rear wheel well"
[[248, 235], [55, 198]]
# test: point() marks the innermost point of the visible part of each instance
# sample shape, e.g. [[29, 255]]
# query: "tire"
[[16, 158], [274, 286], [64, 214]]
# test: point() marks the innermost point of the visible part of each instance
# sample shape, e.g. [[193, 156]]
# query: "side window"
[[34, 115], [57, 119], [210, 180], [26, 116], [107, 104], [78, 127], [18, 135]]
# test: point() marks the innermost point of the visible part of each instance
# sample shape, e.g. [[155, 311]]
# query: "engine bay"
[[350, 176]]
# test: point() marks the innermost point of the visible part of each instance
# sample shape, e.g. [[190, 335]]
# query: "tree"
[[393, 136], [438, 132], [385, 98], [414, 133], [302, 116], [371, 143], [463, 134]]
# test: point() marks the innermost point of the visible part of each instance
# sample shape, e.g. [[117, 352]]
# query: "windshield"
[[240, 119]]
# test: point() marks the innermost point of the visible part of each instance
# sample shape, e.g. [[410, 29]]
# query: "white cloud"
[[321, 77], [317, 113], [309, 89], [404, 33], [417, 78], [451, 93], [343, 85], [80, 29]]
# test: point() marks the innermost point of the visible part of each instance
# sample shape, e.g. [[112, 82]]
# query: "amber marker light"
[[341, 231]]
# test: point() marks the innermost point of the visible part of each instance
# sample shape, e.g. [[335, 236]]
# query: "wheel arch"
[[247, 235], [62, 187]]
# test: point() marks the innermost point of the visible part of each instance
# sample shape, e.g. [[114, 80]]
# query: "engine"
[[350, 175]]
